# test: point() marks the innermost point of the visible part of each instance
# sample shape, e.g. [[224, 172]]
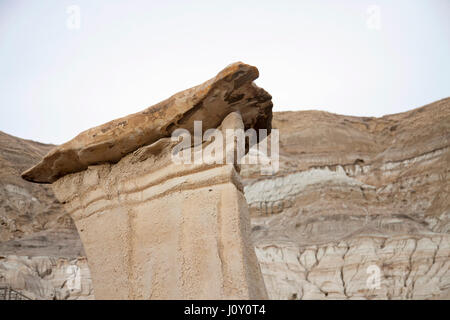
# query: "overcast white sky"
[[351, 57]]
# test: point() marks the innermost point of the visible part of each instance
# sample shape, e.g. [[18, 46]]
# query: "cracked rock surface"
[[50, 278], [354, 195], [351, 193]]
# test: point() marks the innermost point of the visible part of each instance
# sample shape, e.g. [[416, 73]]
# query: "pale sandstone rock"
[[154, 229], [354, 192], [25, 208], [137, 211], [410, 268], [231, 90], [47, 278], [400, 161]]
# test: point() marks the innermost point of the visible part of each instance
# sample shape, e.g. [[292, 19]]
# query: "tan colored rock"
[[47, 278], [25, 208], [154, 229], [409, 268], [231, 90], [374, 185], [354, 192]]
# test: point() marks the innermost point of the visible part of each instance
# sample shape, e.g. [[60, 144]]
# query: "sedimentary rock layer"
[[136, 208], [340, 187], [231, 90], [26, 208], [410, 267], [354, 192], [156, 229], [47, 278]]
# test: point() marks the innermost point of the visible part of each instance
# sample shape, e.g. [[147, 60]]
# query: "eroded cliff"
[[352, 192]]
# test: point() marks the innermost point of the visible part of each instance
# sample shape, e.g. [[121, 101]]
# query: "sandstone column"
[[152, 228]]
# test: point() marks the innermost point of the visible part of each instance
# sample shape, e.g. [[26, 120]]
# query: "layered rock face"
[[26, 208], [38, 240], [353, 195], [153, 228], [49, 278]]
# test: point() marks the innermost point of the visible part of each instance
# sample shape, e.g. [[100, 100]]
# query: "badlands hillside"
[[353, 195], [354, 192], [38, 240]]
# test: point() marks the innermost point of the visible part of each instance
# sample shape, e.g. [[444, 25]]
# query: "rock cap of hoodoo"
[[231, 90]]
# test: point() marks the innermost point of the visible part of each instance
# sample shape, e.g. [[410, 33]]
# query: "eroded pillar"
[[153, 228]]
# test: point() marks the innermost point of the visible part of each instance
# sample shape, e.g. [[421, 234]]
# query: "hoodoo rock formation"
[[153, 228], [352, 194], [231, 90]]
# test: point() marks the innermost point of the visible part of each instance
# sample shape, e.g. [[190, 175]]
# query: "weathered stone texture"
[[47, 278], [231, 90], [154, 229], [354, 192]]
